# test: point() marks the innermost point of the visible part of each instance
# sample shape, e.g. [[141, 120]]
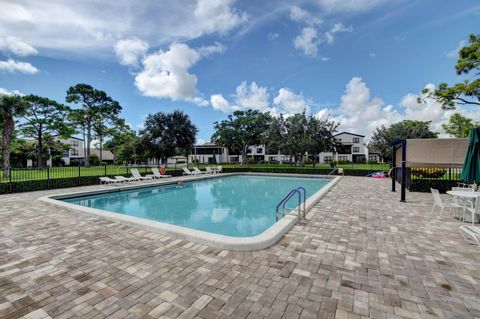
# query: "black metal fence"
[[420, 179], [31, 179]]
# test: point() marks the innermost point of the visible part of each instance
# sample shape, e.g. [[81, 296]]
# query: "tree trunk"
[[315, 159], [244, 155], [39, 148], [101, 142], [89, 137], [301, 160], [8, 126]]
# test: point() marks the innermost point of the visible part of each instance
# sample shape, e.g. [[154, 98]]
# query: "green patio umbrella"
[[471, 166]]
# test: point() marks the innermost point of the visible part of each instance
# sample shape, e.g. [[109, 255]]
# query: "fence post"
[[78, 180], [9, 179], [48, 177]]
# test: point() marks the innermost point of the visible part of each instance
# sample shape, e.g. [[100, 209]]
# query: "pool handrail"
[[298, 190]]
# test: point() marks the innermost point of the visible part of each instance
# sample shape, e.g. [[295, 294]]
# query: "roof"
[[348, 133], [106, 155], [207, 145]]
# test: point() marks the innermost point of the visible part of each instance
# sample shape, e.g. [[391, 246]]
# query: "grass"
[[27, 174]]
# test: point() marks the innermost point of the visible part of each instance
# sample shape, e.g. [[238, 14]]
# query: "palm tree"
[[11, 106]]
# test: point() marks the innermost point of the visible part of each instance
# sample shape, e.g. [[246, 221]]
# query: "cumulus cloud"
[[252, 96], [454, 52], [16, 46], [361, 113], [12, 66], [87, 27], [130, 51], [165, 74], [291, 102], [307, 41], [218, 16]]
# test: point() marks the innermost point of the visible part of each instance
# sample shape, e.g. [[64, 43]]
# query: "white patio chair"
[[209, 170], [219, 169], [157, 174], [123, 179], [197, 171], [471, 234], [473, 210], [438, 202], [107, 180], [186, 171], [136, 174]]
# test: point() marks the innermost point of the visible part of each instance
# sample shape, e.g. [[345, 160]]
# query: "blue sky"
[[360, 62]]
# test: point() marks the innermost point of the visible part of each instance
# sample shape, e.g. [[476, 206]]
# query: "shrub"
[[428, 172], [372, 162], [94, 160], [75, 162], [424, 185]]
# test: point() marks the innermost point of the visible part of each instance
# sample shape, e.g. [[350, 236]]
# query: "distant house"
[[209, 153], [76, 150], [107, 156]]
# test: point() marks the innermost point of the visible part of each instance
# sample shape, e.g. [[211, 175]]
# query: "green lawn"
[[71, 172]]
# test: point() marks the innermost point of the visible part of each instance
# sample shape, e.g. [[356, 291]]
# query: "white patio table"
[[467, 194]]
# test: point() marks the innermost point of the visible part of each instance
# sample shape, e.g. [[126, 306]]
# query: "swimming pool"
[[238, 206], [231, 211]]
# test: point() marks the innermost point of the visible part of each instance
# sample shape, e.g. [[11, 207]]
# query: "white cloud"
[[12, 66], [252, 97], [307, 41], [300, 15], [130, 51], [16, 46], [291, 102], [220, 103], [93, 28], [333, 6], [454, 52], [165, 74], [10, 92], [337, 28], [217, 16], [360, 113], [211, 49]]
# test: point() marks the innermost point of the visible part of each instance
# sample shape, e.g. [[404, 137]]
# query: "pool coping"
[[261, 241]]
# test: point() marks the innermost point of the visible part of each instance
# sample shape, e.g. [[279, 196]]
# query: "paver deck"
[[362, 254]]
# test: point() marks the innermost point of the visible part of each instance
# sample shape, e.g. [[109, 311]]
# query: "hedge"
[[424, 185]]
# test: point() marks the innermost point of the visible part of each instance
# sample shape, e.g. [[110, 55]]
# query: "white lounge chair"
[[219, 169], [157, 174], [136, 174], [186, 171], [471, 234], [197, 171], [438, 202], [123, 179], [107, 180], [209, 170]]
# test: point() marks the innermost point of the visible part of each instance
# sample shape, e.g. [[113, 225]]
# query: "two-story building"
[[76, 150], [209, 153], [352, 149]]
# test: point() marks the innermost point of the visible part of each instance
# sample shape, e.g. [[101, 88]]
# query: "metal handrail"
[[298, 190], [333, 171]]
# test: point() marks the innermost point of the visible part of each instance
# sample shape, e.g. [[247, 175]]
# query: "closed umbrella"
[[471, 166]]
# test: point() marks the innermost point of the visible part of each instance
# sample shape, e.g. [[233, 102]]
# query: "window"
[[249, 151], [356, 140], [339, 139], [372, 157], [356, 149], [343, 158], [328, 159], [75, 143], [259, 150], [74, 152]]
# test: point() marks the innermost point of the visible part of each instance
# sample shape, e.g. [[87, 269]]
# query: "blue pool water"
[[238, 205]]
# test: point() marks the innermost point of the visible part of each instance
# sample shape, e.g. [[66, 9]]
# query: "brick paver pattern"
[[361, 254]]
